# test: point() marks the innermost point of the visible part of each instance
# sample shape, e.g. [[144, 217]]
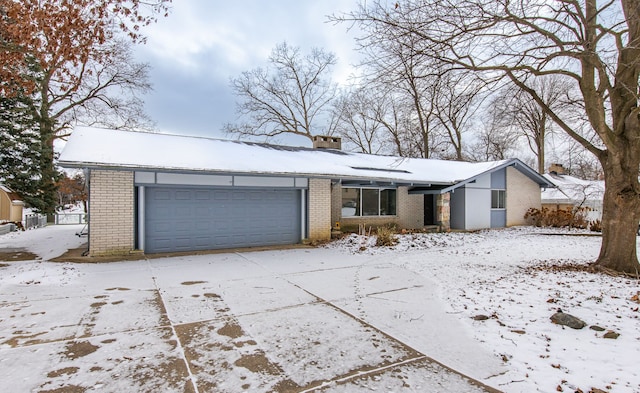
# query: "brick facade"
[[111, 212], [410, 209], [522, 194], [319, 209]]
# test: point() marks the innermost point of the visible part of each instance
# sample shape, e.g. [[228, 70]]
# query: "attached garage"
[[190, 219]]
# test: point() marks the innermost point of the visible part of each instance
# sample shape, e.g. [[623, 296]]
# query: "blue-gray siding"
[[458, 206], [499, 179], [189, 219], [498, 218]]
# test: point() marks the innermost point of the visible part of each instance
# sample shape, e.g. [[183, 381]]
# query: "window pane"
[[498, 198], [350, 202], [388, 203], [370, 202]]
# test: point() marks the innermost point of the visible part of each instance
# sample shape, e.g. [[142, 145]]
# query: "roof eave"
[[363, 180]]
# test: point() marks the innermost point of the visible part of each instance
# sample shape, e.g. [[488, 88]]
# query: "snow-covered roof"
[[572, 190], [99, 148]]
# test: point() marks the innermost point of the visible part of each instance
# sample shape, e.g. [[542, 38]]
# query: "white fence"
[[35, 221], [71, 218]]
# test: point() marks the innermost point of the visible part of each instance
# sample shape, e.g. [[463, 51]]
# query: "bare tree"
[[400, 70], [580, 162], [356, 113], [458, 97], [439, 104], [292, 96], [594, 46], [109, 95], [403, 133], [520, 113], [492, 141], [378, 120]]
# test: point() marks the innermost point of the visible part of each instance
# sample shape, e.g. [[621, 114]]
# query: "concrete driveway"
[[287, 321]]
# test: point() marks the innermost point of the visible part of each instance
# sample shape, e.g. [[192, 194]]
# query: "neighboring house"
[[572, 192], [164, 193], [10, 205]]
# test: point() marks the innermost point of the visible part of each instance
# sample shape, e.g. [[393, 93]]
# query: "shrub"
[[558, 218], [595, 226], [386, 236]]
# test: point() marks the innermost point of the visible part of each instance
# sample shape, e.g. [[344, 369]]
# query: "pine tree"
[[21, 157]]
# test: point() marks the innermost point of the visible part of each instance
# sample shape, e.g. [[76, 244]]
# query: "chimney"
[[556, 169], [327, 142]]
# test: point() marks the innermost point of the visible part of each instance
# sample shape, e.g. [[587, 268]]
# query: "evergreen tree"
[[21, 152]]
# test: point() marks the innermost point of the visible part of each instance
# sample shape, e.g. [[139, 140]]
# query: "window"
[[388, 202], [498, 199], [350, 202], [368, 202]]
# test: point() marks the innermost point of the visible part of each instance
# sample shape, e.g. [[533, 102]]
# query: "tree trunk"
[[540, 140], [48, 173], [620, 216]]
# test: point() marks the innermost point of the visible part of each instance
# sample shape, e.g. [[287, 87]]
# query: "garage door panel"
[[203, 195], [185, 219]]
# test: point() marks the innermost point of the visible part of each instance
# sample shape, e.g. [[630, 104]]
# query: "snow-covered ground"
[[348, 316]]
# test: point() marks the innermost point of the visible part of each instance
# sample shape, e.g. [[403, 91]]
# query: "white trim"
[[191, 179], [144, 177], [141, 217], [303, 214], [262, 181]]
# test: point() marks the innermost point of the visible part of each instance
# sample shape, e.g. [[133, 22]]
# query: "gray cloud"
[[203, 43]]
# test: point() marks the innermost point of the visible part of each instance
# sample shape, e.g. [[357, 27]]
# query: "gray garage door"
[[188, 219]]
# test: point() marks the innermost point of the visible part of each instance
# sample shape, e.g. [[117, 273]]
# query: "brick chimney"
[[327, 142], [556, 169]]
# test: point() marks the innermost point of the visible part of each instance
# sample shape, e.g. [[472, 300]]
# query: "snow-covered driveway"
[[347, 317], [290, 320]]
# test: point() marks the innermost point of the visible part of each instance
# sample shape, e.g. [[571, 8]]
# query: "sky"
[[195, 51]]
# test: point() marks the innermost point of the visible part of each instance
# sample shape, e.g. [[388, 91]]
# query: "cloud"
[[203, 43]]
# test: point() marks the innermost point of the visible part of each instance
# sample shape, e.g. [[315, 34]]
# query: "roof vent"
[[327, 142]]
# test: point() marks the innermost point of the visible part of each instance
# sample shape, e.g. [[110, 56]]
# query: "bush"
[[595, 226], [558, 218], [386, 236]]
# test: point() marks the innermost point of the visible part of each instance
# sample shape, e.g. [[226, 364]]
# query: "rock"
[[611, 334], [564, 319], [480, 317], [596, 328]]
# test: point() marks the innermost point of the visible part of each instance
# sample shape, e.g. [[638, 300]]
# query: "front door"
[[429, 209]]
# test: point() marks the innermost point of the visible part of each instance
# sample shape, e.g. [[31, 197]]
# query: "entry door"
[[429, 209]]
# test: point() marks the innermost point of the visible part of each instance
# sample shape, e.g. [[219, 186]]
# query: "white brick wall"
[[111, 212], [522, 194], [410, 209], [319, 209]]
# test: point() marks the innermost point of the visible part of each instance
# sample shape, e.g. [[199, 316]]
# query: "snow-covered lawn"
[[345, 317]]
